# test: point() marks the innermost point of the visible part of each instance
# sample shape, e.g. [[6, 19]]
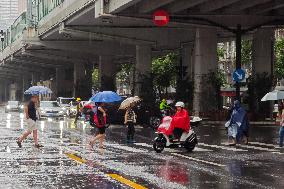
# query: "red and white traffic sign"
[[161, 18]]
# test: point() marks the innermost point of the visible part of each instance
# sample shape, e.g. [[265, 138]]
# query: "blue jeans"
[[281, 136]]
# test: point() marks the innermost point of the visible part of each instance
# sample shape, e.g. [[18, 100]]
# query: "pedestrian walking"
[[130, 121], [281, 131], [238, 125], [99, 120], [79, 107], [31, 118]]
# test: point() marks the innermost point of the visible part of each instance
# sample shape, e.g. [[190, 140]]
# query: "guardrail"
[[15, 31], [44, 7]]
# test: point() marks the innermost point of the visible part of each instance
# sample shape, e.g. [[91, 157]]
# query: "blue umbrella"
[[106, 97], [37, 90]]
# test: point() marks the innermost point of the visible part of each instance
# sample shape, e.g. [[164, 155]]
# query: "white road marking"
[[223, 147], [196, 149], [263, 144], [127, 148], [255, 148], [199, 160]]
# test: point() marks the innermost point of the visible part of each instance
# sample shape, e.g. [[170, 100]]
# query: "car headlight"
[[42, 111], [63, 108], [61, 112], [8, 107]]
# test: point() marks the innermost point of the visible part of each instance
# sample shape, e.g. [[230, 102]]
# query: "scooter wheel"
[[189, 146], [158, 148]]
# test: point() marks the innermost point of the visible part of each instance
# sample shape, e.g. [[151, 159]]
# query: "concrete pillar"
[[59, 82], [262, 68], [205, 64], [262, 52], [143, 84], [107, 73], [82, 80], [187, 60]]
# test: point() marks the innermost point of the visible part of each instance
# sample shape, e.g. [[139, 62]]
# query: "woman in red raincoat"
[[180, 122]]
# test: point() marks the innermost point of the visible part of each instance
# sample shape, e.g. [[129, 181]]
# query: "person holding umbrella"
[[31, 114], [31, 117], [99, 117], [130, 120], [130, 116]]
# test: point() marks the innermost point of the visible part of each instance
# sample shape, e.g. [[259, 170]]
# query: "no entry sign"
[[161, 18]]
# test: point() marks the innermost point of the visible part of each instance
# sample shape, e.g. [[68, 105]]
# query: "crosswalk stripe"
[[196, 149], [223, 147], [257, 148], [199, 160], [262, 144]]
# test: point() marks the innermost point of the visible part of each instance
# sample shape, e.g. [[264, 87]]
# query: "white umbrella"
[[129, 101], [274, 95]]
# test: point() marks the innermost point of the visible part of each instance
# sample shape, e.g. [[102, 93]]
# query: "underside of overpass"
[[109, 32]]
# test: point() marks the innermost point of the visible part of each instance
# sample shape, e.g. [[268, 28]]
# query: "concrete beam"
[[116, 6], [184, 4], [215, 5], [49, 58], [94, 48], [239, 6], [16, 70], [263, 8], [35, 61], [103, 36], [151, 5]]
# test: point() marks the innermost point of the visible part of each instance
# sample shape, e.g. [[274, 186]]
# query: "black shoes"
[[19, 144], [38, 146]]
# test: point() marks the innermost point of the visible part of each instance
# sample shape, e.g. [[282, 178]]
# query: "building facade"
[[8, 13]]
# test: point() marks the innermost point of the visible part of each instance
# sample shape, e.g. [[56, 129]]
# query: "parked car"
[[51, 109], [68, 104], [12, 106]]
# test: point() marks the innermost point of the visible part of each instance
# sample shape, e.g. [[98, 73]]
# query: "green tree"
[[279, 53], [95, 78], [220, 53], [164, 71], [124, 74], [247, 53]]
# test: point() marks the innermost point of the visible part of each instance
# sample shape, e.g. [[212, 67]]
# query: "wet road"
[[67, 162]]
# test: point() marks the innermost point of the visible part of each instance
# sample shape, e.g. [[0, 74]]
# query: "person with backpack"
[[130, 120], [98, 119]]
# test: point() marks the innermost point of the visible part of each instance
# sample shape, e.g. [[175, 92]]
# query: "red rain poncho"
[[180, 120]]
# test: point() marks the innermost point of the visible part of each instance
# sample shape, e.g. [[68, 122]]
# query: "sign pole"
[[238, 58]]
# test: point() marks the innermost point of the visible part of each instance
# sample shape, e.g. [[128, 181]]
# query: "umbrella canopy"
[[129, 101], [37, 90], [274, 95], [106, 97]]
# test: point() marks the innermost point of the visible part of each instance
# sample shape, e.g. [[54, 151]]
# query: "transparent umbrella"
[[273, 95]]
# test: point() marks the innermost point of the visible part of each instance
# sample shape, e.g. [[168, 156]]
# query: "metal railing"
[[44, 7], [15, 31], [18, 26]]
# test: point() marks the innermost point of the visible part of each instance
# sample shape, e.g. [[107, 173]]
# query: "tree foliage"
[[95, 78], [279, 53], [164, 71], [220, 53], [247, 53], [124, 74]]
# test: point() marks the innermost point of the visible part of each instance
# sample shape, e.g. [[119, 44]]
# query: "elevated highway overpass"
[[71, 34]]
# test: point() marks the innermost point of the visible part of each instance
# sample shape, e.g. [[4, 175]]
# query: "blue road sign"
[[239, 75]]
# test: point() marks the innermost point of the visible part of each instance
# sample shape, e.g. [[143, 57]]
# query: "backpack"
[[131, 116]]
